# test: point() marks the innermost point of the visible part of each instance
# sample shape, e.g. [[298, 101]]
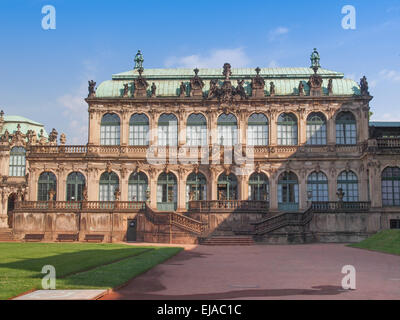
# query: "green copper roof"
[[385, 124], [286, 81], [11, 123]]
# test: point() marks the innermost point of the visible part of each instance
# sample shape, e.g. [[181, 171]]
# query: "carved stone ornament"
[[257, 85], [271, 89], [182, 90], [125, 93], [330, 87], [196, 85], [141, 85], [315, 84]]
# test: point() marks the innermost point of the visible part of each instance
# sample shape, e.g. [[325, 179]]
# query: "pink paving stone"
[[267, 272]]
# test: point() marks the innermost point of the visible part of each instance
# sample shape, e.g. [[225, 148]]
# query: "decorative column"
[[94, 127], [302, 191], [273, 190], [124, 130], [123, 184], [181, 190], [273, 128]]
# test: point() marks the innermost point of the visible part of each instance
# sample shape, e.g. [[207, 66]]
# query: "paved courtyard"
[[267, 272]]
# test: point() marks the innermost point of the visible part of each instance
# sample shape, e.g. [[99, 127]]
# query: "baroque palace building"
[[180, 155]]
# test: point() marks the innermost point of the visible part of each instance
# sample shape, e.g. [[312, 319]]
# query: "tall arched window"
[[196, 130], [227, 130], [137, 187], [287, 129], [110, 130], [316, 129], [47, 182], [17, 162], [391, 187], [167, 192], [258, 187], [346, 128], [317, 183], [167, 130], [139, 130], [196, 187], [109, 183], [75, 183], [257, 130], [348, 182], [288, 191], [227, 187]]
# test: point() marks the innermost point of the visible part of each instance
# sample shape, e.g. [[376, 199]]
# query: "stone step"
[[6, 235], [228, 241]]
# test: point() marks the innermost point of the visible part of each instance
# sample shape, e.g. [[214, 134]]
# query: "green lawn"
[[387, 241], [78, 265]]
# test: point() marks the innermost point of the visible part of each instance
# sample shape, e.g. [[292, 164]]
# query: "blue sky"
[[44, 73]]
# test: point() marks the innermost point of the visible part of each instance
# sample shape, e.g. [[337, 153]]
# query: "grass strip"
[[118, 273], [387, 241]]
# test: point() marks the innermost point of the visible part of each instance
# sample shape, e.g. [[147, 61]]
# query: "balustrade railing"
[[388, 142], [340, 206], [73, 206], [228, 205]]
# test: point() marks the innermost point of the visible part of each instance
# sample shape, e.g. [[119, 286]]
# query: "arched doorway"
[[227, 187], [196, 187], [75, 184], [167, 192], [12, 198], [288, 192], [258, 187]]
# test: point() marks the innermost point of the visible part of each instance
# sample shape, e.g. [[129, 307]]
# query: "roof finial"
[[315, 61], [138, 60]]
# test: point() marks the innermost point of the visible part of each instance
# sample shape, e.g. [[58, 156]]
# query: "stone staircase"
[[228, 241], [6, 235]]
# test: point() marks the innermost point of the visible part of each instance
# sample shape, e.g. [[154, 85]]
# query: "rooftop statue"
[[240, 91], [92, 90], [182, 90], [364, 86], [138, 60], [315, 60], [227, 71], [126, 90], [153, 90], [271, 89]]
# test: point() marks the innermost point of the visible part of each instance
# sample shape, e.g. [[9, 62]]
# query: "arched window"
[[287, 129], [391, 187], [258, 187], [196, 130], [348, 182], [17, 162], [137, 187], [47, 182], [257, 130], [75, 183], [109, 183], [316, 129], [227, 130], [166, 192], [196, 187], [167, 130], [139, 130], [288, 191], [346, 128], [317, 183], [227, 187], [110, 130]]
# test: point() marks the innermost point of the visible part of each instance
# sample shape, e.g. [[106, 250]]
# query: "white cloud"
[[216, 59], [74, 107], [273, 64], [276, 33], [392, 75]]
